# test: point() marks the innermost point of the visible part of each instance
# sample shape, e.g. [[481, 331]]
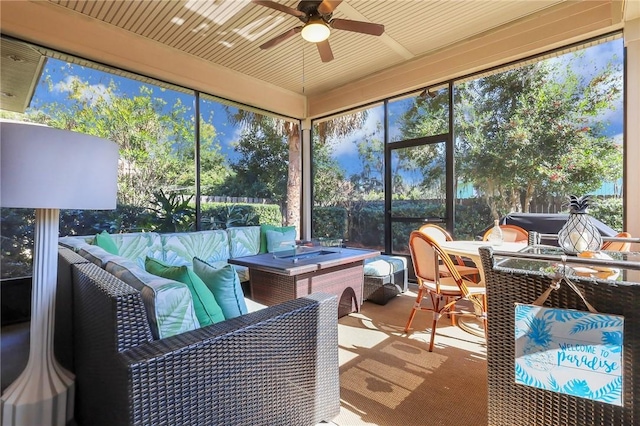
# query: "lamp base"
[[23, 402], [44, 392]]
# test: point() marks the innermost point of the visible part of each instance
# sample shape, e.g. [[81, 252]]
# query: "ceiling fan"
[[317, 19]]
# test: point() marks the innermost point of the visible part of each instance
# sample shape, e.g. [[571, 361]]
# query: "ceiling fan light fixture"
[[315, 30]]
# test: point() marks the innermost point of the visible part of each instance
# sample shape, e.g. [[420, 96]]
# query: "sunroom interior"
[[214, 49]]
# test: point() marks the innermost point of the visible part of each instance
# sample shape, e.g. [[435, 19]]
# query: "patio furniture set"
[[141, 353], [562, 331]]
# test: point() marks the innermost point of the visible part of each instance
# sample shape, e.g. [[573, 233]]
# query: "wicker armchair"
[[513, 404], [278, 365]]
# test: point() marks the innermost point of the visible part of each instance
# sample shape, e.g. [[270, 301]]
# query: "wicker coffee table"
[[287, 275]]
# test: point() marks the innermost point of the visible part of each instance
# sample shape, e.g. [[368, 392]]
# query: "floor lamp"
[[48, 169]]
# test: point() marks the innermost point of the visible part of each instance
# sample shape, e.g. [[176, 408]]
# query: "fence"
[[223, 199]]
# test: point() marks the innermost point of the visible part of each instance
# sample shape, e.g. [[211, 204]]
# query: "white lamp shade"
[[46, 168]]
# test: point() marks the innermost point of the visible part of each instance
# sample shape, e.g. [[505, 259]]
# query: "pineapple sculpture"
[[579, 234]]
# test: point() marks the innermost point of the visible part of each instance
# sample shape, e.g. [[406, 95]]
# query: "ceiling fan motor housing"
[[310, 9]]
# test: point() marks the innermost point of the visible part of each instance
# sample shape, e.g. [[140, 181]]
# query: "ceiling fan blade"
[[357, 26], [327, 6], [324, 49], [280, 7], [282, 37]]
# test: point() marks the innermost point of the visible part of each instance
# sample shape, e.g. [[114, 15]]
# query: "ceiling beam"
[[351, 13]]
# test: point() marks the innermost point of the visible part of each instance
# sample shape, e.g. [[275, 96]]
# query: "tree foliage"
[[261, 170], [330, 185], [155, 139], [532, 132]]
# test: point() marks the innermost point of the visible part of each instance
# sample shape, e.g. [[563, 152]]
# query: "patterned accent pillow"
[[263, 234], [210, 246], [168, 303], [204, 303]]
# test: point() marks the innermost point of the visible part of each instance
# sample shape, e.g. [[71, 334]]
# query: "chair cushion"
[[168, 303], [207, 309], [383, 265], [225, 285]]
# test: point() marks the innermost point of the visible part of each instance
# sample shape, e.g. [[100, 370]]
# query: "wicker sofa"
[[277, 365]]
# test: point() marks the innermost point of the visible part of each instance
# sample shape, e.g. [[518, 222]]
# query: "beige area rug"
[[389, 378]]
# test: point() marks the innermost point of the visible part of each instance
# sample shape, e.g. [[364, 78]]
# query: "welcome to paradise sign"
[[569, 351]]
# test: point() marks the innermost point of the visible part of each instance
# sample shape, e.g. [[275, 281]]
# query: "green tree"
[[428, 116], [156, 142], [291, 131], [261, 170], [330, 186], [532, 131], [524, 133], [369, 182]]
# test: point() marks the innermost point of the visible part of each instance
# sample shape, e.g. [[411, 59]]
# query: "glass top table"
[[610, 265], [604, 265]]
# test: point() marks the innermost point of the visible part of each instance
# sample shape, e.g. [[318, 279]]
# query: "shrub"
[[225, 215], [329, 222], [608, 211]]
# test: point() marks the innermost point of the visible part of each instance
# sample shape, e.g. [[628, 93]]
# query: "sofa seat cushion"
[[207, 309], [168, 303], [76, 242], [181, 247], [244, 241], [383, 265], [225, 286], [253, 306], [243, 273]]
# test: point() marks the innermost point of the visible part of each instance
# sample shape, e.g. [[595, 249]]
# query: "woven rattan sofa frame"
[[278, 365], [513, 404]]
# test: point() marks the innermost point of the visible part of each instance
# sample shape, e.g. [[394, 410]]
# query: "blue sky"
[[62, 74]]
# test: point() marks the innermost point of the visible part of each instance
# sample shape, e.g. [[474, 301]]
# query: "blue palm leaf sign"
[[569, 351]]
